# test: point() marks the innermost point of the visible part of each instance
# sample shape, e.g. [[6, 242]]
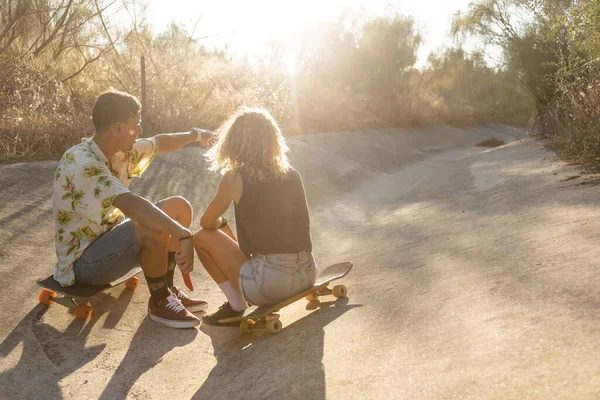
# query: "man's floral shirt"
[[83, 193]]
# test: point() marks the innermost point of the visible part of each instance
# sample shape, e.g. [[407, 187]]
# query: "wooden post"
[[144, 115]]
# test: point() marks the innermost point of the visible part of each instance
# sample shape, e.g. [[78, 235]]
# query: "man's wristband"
[[223, 224], [198, 132], [185, 237]]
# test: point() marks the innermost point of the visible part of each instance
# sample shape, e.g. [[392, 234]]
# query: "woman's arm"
[[230, 188]]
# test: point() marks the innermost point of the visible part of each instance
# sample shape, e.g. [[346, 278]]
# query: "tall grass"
[[346, 79]]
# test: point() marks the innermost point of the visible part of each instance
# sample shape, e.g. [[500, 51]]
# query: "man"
[[95, 243]]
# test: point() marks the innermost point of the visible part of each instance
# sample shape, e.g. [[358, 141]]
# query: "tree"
[[69, 33], [387, 53], [534, 35]]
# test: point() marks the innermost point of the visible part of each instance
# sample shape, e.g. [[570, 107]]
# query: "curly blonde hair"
[[251, 140]]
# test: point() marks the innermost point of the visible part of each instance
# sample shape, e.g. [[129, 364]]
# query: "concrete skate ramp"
[[474, 277], [331, 164]]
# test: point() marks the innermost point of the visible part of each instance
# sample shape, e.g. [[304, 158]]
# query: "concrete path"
[[475, 277]]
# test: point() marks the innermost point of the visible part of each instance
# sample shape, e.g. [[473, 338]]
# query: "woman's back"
[[272, 217]]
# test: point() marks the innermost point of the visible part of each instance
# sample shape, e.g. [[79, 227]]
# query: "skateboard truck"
[[270, 324], [266, 319], [339, 291], [81, 311]]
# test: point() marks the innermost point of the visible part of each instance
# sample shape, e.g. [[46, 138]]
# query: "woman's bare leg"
[[211, 266], [220, 255], [222, 258]]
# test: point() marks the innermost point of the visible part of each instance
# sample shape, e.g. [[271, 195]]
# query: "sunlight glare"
[[289, 64], [246, 27], [291, 55]]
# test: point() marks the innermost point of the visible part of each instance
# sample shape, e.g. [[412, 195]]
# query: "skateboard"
[[71, 295], [265, 318]]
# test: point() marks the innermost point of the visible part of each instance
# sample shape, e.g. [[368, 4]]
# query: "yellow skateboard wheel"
[[340, 291], [311, 297], [312, 305], [246, 324], [274, 326]]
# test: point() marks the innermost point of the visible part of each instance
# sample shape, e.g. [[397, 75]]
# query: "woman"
[[273, 260]]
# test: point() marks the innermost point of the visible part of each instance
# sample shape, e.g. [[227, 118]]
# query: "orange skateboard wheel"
[[132, 283], [45, 296], [83, 311]]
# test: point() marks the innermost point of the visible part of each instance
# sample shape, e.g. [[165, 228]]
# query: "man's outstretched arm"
[[168, 142]]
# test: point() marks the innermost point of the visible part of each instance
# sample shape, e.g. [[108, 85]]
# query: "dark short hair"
[[114, 106]]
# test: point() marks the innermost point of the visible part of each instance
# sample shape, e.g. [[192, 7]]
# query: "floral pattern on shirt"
[[83, 194]]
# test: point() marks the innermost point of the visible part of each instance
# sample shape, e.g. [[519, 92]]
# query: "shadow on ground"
[[65, 351], [149, 344], [252, 365]]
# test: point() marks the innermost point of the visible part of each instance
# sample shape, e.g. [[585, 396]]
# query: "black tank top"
[[272, 217]]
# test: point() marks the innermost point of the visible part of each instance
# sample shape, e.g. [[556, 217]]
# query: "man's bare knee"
[[149, 237], [179, 209]]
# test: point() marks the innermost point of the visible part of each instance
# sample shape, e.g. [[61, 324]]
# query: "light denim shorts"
[[110, 257], [269, 279]]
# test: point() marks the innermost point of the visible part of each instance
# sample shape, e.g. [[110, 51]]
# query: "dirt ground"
[[475, 277]]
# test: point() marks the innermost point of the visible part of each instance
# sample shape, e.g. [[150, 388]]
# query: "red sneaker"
[[171, 312], [192, 305]]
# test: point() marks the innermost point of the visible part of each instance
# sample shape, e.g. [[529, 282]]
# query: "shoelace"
[[181, 295], [175, 305]]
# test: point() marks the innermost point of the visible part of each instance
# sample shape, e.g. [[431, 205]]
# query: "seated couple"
[[103, 231]]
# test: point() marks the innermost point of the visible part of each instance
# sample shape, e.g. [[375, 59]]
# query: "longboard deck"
[[331, 273], [83, 291]]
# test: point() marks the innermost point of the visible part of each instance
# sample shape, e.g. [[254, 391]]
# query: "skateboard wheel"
[[312, 305], [311, 297], [45, 296], [274, 326], [246, 324], [340, 291], [83, 311], [132, 283]]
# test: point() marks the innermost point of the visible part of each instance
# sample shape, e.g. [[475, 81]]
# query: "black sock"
[[170, 268], [158, 288]]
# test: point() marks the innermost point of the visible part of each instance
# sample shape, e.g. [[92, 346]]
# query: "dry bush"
[[570, 122], [38, 114], [347, 79]]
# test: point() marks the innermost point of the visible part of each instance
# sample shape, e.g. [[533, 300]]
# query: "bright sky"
[[246, 26]]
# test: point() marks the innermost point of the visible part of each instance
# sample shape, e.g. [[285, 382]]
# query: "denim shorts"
[[112, 256], [271, 278]]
